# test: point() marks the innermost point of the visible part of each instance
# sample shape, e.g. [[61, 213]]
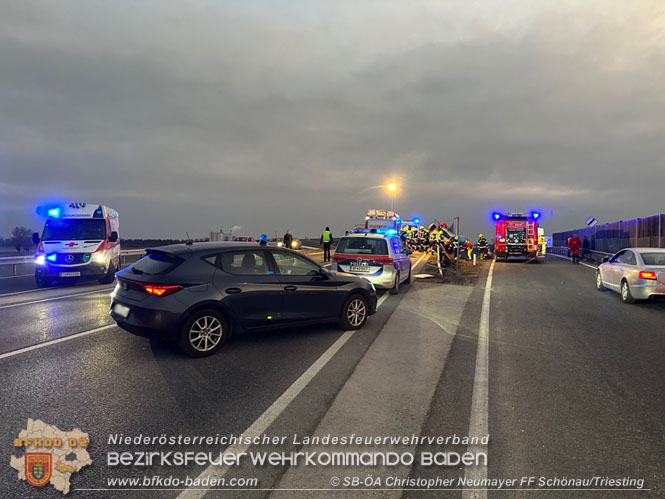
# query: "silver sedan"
[[635, 273]]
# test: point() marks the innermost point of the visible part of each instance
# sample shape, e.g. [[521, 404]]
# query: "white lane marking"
[[53, 342], [55, 298], [260, 426], [41, 290], [581, 263], [479, 398]]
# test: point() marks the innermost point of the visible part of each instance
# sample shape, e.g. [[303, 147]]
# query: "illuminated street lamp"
[[392, 187]]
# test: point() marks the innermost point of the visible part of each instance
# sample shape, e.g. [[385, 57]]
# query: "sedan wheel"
[[203, 334], [625, 293], [354, 313], [599, 282]]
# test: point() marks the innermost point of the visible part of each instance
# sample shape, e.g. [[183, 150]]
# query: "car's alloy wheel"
[[205, 334], [625, 293], [354, 313], [599, 282]]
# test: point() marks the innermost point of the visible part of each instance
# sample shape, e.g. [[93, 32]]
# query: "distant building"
[[218, 236]]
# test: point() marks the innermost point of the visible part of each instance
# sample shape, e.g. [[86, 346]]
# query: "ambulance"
[[381, 220], [79, 241]]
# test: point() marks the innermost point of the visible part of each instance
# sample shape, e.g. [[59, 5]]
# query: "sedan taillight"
[[156, 290], [647, 274]]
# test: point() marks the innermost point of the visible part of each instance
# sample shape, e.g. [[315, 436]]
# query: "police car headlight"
[[100, 257], [40, 259]]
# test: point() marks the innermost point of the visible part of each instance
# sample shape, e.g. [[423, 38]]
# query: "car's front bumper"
[[92, 270]]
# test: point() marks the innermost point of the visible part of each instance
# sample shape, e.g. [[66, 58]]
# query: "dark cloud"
[[191, 117]]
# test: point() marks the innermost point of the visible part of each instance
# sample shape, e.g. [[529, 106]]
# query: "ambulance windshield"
[[74, 229]]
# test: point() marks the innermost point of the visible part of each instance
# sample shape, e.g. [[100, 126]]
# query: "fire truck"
[[516, 234]]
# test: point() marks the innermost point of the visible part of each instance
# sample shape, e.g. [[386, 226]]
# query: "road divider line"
[[13, 353], [568, 258], [32, 302], [261, 425], [15, 276], [478, 426]]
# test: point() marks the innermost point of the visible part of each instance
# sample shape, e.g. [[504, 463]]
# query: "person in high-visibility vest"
[[469, 249], [326, 240]]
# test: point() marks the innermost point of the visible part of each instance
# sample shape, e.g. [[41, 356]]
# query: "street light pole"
[[392, 187]]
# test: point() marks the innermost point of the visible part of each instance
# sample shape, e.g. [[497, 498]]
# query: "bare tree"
[[21, 238]]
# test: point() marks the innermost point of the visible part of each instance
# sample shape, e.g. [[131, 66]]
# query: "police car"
[[380, 257], [79, 241]]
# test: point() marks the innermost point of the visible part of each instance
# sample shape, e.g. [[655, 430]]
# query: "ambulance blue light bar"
[[54, 212]]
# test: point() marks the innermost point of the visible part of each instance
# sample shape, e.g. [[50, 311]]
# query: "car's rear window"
[[156, 262], [362, 246], [653, 258]]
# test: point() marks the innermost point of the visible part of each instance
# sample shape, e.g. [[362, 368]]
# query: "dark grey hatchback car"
[[199, 294]]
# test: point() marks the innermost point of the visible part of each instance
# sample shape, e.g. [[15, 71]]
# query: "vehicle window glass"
[[64, 229], [156, 262], [396, 245], [362, 246], [653, 258], [290, 264], [617, 258], [244, 263], [629, 258]]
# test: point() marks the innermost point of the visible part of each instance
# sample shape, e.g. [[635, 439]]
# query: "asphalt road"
[[574, 381]]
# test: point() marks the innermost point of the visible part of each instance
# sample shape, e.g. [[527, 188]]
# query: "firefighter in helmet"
[[482, 246]]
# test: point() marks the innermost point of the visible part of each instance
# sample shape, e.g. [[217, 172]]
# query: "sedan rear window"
[[156, 262], [362, 246], [653, 258]]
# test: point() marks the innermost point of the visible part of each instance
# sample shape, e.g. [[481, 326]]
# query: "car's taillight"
[[156, 290], [647, 274], [384, 260], [337, 258]]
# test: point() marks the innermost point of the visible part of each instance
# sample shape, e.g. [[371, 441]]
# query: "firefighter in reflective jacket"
[[482, 246]]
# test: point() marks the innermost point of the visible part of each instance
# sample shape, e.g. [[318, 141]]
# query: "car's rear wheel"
[[626, 296], [599, 282], [203, 333], [395, 289], [354, 313]]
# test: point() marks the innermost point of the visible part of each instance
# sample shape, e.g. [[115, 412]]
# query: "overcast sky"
[[196, 116]]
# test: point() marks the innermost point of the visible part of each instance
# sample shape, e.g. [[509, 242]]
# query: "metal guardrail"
[[587, 254], [30, 259]]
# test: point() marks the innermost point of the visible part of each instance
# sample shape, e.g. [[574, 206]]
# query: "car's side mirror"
[[35, 238], [605, 259], [113, 237]]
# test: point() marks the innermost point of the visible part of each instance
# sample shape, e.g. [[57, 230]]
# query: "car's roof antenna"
[[189, 241]]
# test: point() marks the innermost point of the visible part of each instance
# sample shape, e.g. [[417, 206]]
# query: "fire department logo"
[[38, 468], [69, 258]]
